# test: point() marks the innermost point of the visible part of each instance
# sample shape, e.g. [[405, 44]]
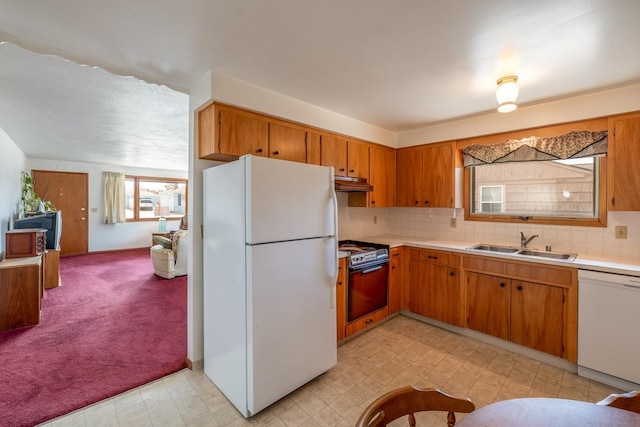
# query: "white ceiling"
[[399, 64]]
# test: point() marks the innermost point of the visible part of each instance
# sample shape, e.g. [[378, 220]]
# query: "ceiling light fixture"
[[507, 93]]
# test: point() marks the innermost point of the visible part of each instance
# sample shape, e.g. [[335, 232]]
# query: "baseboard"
[[607, 379], [198, 364]]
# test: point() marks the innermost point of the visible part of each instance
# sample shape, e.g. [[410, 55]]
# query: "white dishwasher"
[[608, 327]]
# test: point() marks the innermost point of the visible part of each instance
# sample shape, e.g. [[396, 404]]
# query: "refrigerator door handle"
[[335, 273]]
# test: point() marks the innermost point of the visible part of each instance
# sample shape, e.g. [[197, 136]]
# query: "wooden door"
[[242, 133], [395, 281], [409, 182], [624, 155], [357, 159], [68, 191], [438, 172], [382, 175], [537, 316], [334, 153], [287, 143], [488, 304]]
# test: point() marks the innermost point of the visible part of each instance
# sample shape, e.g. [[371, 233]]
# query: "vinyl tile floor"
[[399, 352]]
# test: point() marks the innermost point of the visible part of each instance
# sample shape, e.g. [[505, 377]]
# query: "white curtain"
[[113, 197]]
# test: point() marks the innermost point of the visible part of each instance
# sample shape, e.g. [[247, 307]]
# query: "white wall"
[[12, 163], [105, 237]]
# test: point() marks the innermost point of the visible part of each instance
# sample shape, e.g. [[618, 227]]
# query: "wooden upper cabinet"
[[226, 132], [623, 157], [357, 159], [334, 153], [382, 176], [314, 148], [426, 176], [287, 142]]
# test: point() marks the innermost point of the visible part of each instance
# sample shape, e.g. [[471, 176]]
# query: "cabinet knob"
[[519, 288], [416, 202], [366, 322], [452, 274], [393, 267], [339, 283], [432, 257], [341, 169], [275, 153], [502, 285], [373, 202], [426, 202], [259, 150], [352, 170]]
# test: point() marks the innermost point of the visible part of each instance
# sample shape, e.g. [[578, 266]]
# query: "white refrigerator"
[[270, 268]]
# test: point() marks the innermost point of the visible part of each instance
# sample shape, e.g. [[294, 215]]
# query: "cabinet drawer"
[[366, 321], [435, 257], [527, 271]]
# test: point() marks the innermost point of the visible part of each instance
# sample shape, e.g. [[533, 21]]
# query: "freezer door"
[[288, 200], [292, 317]]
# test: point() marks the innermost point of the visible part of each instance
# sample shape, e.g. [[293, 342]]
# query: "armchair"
[[171, 262]]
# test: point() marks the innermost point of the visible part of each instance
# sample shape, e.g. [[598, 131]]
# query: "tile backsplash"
[[435, 224]]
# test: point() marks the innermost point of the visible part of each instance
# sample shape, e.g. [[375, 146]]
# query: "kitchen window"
[[541, 180], [148, 198]]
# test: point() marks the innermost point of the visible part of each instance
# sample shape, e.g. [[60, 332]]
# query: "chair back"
[[408, 400], [627, 401]]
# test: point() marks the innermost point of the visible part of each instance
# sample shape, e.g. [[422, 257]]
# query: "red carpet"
[[111, 326]]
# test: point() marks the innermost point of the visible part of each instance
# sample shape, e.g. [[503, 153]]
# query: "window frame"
[[600, 220], [136, 195]]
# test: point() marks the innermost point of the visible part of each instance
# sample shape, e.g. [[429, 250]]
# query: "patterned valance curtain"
[[114, 197], [569, 146]]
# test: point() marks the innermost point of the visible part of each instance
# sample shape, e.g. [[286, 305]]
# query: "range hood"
[[345, 183]]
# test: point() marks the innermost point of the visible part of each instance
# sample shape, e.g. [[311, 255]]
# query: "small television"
[[51, 221]]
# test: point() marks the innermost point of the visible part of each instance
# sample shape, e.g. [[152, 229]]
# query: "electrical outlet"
[[94, 210], [621, 231], [375, 219], [453, 223]]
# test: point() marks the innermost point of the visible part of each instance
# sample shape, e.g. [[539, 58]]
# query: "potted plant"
[[30, 201]]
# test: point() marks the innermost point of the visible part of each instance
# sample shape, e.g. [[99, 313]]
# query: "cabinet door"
[[382, 175], [313, 148], [240, 134], [419, 290], [357, 159], [409, 178], [287, 143], [624, 154], [334, 153], [488, 304], [537, 316], [438, 176], [341, 299], [447, 294], [395, 281]]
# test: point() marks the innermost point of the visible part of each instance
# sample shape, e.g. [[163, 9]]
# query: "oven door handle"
[[372, 269]]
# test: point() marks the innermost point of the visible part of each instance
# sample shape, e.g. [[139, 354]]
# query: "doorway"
[[68, 192]]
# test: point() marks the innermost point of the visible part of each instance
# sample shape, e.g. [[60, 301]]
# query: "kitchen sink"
[[545, 254], [523, 251], [495, 248]]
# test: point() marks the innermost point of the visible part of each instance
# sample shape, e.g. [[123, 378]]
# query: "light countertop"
[[581, 262]]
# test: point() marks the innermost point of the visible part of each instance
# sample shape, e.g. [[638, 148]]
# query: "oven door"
[[367, 290]]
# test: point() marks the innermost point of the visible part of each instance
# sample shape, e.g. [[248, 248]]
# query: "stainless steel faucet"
[[524, 241]]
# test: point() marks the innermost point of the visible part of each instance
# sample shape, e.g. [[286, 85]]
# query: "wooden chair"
[[408, 400], [627, 401]]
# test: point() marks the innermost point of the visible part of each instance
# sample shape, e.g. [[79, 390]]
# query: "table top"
[[536, 412]]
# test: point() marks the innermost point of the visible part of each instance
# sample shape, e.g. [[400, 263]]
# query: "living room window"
[[149, 198]]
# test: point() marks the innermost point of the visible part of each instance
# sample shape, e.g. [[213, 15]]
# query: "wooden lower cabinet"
[[395, 280], [539, 315], [341, 299], [434, 285], [366, 321]]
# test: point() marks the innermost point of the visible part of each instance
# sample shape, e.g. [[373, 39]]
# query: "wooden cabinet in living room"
[[434, 285], [623, 179], [534, 306], [341, 299], [426, 176], [226, 133]]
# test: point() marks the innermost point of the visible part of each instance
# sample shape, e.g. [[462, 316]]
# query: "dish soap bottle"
[[162, 224]]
